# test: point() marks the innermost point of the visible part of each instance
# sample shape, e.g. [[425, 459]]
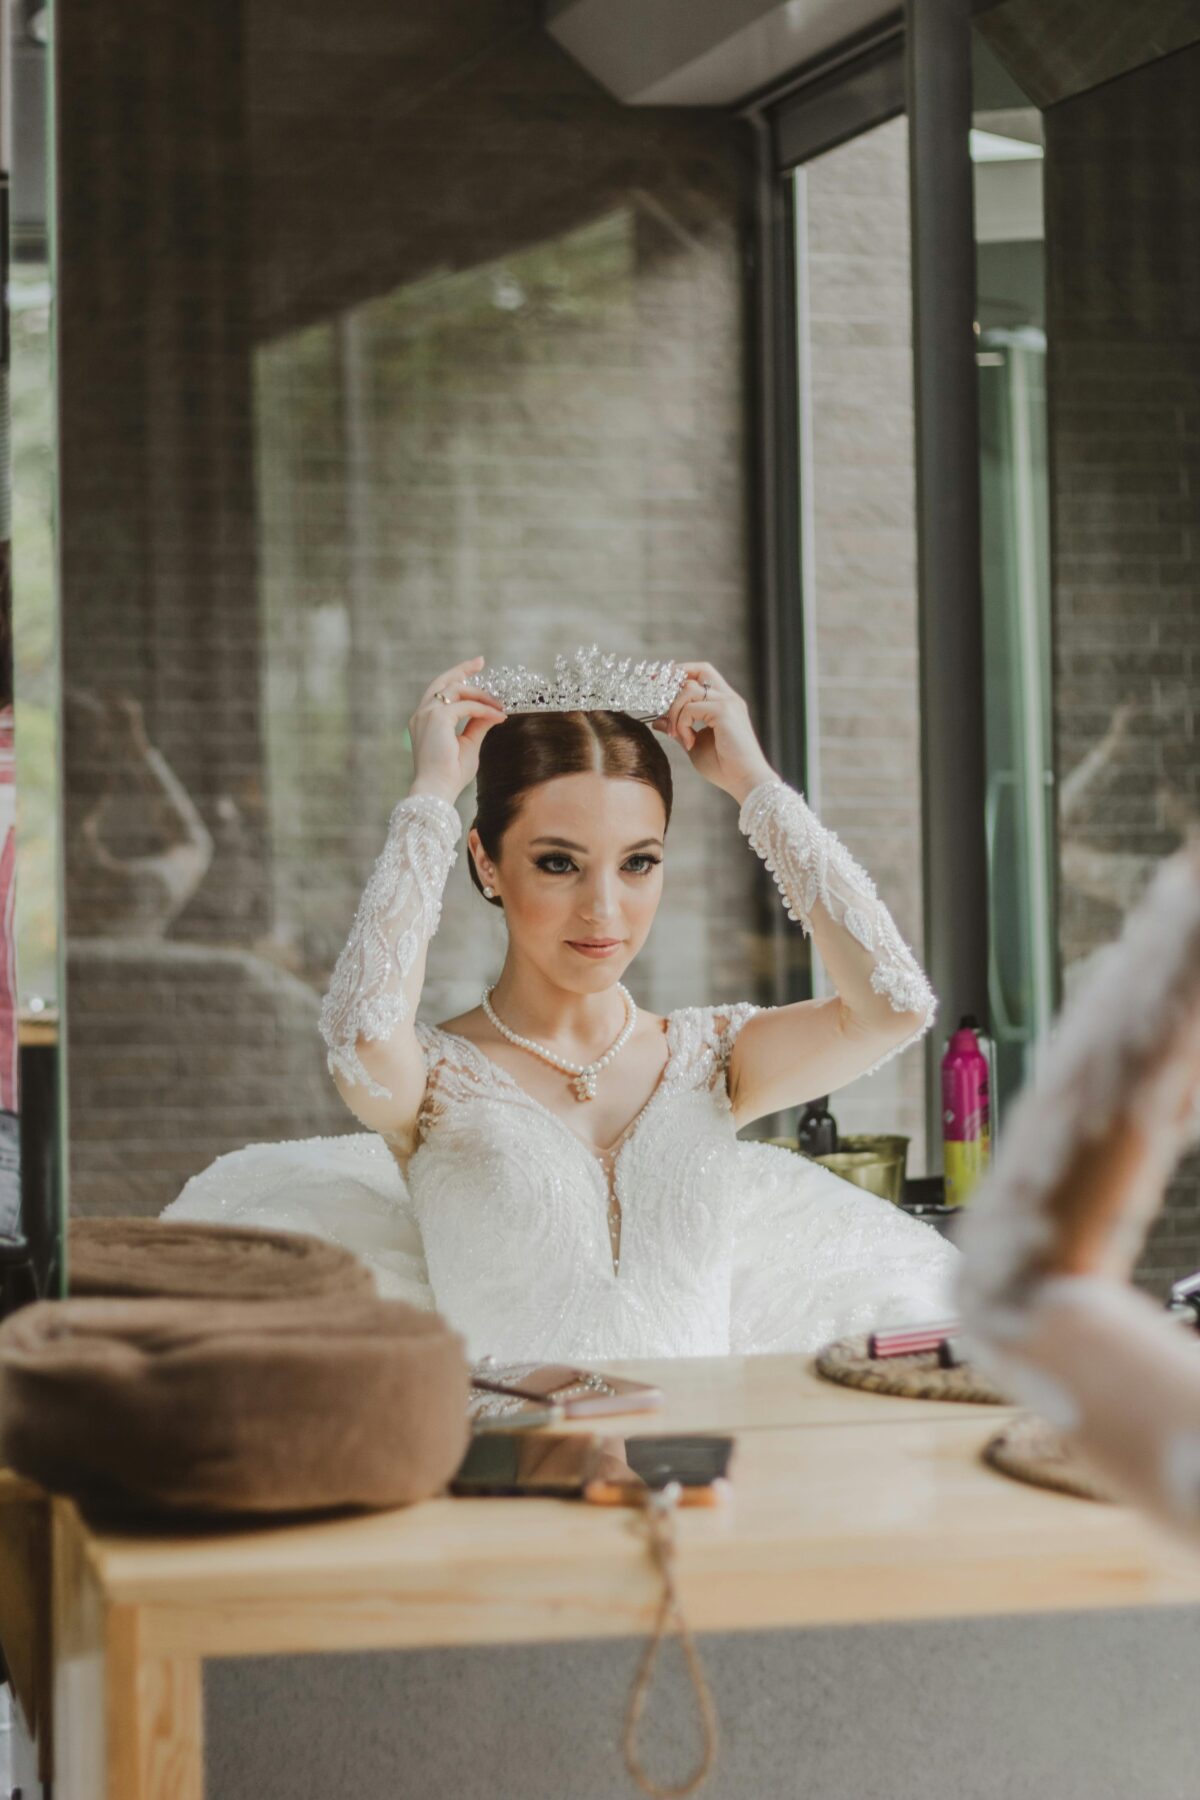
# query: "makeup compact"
[[912, 1340], [578, 1393]]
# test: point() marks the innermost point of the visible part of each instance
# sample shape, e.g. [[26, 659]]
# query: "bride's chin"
[[591, 975]]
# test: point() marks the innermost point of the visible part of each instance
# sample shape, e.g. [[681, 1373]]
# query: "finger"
[[705, 672], [692, 703], [475, 730], [450, 697], [697, 716], [474, 709], [690, 690], [453, 677]]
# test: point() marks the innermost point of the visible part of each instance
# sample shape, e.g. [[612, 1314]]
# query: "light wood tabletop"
[[846, 1507]]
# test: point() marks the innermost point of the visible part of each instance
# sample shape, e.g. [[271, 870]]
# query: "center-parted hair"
[[531, 748]]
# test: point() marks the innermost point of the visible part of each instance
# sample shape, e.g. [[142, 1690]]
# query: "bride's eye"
[[555, 863], [641, 864]]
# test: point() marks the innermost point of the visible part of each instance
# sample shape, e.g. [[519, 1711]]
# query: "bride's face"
[[580, 874]]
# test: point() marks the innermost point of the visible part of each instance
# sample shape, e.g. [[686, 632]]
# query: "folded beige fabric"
[[141, 1257], [257, 1406]]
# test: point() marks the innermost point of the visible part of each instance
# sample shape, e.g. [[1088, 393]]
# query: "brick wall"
[[382, 341], [862, 565], [1123, 238]]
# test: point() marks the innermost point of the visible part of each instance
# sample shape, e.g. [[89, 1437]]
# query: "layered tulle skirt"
[[815, 1258]]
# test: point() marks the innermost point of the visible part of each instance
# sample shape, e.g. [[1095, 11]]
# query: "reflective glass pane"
[[858, 536], [1007, 157], [379, 348]]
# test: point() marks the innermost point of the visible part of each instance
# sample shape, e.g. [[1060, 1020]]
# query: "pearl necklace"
[[584, 1085]]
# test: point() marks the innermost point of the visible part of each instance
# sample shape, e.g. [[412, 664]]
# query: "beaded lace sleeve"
[[1094, 1356], [815, 874], [396, 917]]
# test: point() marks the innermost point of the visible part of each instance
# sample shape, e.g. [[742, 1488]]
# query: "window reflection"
[[393, 396], [858, 536], [505, 459], [35, 633], [1007, 155]]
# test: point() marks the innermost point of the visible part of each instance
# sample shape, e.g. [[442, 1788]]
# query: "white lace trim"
[[396, 917], [1121, 1048], [812, 866], [700, 1042], [723, 1245], [1127, 1048]]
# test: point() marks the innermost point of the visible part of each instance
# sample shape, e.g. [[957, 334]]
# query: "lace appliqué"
[[702, 1040], [502, 1224], [456, 1074], [396, 917], [811, 866]]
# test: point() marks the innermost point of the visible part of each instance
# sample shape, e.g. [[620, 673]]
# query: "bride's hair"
[[531, 748]]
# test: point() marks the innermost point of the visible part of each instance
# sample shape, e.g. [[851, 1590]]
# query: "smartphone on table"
[[606, 1471]]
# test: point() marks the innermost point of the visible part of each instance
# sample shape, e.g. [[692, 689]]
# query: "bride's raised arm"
[[882, 1000], [368, 1016]]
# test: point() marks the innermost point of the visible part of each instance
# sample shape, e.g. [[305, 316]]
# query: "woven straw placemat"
[[919, 1377], [1030, 1450]]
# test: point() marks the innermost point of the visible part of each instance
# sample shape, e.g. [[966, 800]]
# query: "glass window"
[[35, 634], [398, 392], [1007, 158], [858, 549]]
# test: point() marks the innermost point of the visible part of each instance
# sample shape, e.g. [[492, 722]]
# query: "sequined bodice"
[[514, 1208]]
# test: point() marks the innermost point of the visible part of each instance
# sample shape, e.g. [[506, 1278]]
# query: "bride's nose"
[[599, 902]]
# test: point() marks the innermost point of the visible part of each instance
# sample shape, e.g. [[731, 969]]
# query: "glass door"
[[858, 549], [1006, 151]]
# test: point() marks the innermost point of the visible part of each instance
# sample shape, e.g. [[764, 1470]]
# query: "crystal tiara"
[[587, 682]]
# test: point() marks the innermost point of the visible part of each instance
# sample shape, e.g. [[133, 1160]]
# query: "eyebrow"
[[581, 849]]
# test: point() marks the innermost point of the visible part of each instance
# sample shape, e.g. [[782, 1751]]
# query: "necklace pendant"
[[584, 1085]]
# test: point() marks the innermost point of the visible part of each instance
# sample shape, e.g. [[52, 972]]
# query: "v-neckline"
[[616, 1149]]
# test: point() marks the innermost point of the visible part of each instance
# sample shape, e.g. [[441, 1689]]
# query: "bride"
[[556, 1170]]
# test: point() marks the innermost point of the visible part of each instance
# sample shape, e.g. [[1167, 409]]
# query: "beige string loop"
[[658, 1517]]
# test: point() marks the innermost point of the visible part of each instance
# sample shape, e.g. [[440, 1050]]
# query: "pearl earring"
[[489, 893]]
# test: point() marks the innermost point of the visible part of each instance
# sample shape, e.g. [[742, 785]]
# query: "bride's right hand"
[[444, 758]]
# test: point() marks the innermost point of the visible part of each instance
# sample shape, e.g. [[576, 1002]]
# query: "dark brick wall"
[[862, 572], [1123, 242], [386, 336]]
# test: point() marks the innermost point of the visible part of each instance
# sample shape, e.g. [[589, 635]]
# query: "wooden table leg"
[[153, 1722], [127, 1726]]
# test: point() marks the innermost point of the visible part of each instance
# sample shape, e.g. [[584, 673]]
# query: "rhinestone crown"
[[587, 682]]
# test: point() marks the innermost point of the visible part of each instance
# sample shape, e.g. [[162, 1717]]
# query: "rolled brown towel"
[[142, 1258], [204, 1407]]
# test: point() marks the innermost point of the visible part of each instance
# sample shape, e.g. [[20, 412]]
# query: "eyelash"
[[543, 862]]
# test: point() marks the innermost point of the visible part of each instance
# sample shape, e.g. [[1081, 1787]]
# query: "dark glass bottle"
[[18, 1285], [817, 1133]]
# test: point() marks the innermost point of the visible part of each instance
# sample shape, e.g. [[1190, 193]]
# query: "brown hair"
[[531, 748]]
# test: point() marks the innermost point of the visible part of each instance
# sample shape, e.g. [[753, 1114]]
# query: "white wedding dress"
[[503, 1222]]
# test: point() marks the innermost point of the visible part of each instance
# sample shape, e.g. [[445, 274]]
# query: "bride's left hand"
[[712, 723]]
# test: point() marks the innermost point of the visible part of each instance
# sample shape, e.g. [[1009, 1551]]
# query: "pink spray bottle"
[[966, 1113]]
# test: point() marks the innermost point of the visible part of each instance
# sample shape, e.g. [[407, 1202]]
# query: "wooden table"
[[847, 1507]]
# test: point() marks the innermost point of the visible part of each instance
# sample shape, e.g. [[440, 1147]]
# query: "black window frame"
[[917, 61]]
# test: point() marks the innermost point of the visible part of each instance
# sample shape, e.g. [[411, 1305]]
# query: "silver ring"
[[704, 695], [443, 696]]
